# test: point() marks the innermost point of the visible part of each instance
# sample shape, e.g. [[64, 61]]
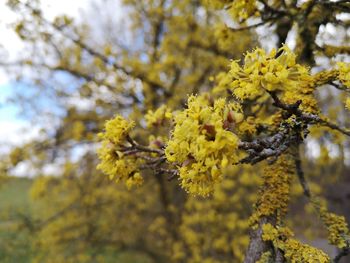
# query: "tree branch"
[[343, 253]]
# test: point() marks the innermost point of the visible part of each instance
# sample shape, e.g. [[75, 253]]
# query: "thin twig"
[[265, 21], [301, 176], [307, 117]]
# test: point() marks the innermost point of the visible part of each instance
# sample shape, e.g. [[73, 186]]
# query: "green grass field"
[[15, 243], [14, 193]]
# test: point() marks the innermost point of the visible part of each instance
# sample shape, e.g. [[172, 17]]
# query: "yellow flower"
[[262, 72], [112, 162], [157, 117], [201, 144], [134, 180], [116, 130]]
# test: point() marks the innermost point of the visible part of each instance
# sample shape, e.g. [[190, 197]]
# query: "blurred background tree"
[[79, 73]]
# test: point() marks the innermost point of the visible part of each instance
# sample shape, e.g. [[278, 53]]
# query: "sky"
[[11, 124]]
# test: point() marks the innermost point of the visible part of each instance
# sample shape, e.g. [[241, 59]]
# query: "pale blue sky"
[[7, 111], [12, 122]]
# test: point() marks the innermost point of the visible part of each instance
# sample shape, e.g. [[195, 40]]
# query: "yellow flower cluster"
[[344, 73], [157, 117], [227, 39], [274, 194], [202, 143], [264, 72], [17, 155], [203, 229], [217, 4], [135, 180], [294, 251], [240, 10], [116, 130], [113, 162]]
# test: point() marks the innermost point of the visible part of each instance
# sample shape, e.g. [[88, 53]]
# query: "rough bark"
[[257, 245]]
